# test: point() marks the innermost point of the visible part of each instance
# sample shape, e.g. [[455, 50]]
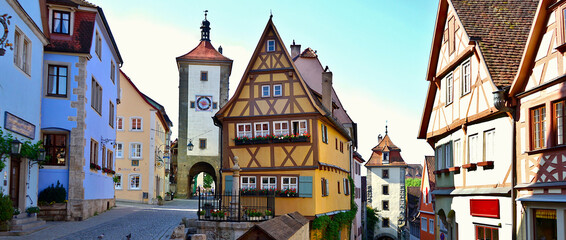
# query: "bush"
[[6, 207], [53, 193]]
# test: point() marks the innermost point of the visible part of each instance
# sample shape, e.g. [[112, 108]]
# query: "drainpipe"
[[499, 99]]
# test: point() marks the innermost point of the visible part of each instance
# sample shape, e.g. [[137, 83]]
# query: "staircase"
[[23, 225]]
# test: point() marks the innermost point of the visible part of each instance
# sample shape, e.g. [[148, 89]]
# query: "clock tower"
[[203, 89]]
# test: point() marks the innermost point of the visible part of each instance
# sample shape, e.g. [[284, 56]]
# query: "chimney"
[[220, 49], [295, 50], [379, 138], [327, 89]]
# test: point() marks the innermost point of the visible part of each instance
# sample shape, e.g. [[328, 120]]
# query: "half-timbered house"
[[539, 92], [426, 202], [285, 135], [476, 50]]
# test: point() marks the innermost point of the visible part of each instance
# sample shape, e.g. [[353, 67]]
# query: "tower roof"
[[385, 146], [204, 51]]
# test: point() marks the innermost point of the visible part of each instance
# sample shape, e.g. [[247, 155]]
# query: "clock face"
[[204, 103]]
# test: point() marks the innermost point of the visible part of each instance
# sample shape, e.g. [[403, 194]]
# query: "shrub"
[[53, 193], [32, 210], [6, 208]]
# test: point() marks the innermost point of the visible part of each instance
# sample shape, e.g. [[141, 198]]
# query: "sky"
[[377, 50]]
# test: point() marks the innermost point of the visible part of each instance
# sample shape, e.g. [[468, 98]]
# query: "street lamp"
[[16, 146], [190, 146], [41, 156]]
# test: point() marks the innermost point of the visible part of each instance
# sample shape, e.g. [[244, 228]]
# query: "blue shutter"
[[228, 184], [305, 186]]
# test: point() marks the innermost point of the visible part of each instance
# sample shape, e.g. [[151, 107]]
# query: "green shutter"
[[228, 184], [305, 186]]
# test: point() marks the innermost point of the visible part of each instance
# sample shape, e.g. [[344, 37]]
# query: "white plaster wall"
[[466, 222], [395, 185], [200, 122]]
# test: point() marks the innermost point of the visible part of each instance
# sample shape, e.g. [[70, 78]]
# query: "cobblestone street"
[[141, 220]]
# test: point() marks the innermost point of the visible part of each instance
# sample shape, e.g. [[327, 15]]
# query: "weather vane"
[[205, 12]]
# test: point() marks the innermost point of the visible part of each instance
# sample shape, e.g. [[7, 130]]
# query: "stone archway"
[[198, 168], [385, 236]]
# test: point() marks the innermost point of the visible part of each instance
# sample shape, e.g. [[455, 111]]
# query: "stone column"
[[234, 209]]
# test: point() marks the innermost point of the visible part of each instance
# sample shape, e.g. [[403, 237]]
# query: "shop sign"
[[18, 125], [484, 208]]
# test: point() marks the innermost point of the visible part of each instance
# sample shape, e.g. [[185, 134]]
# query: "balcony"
[[236, 208]]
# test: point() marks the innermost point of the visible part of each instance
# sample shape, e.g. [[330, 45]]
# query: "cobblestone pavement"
[[141, 220]]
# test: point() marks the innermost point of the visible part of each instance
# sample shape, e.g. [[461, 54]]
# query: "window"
[[111, 114], [109, 159], [439, 156], [448, 155], [119, 150], [449, 89], [473, 150], [120, 123], [214, 105], [204, 76], [268, 182], [244, 130], [385, 205], [338, 183], [136, 124], [559, 121], [489, 145], [538, 128], [57, 81], [265, 91], [299, 127], [385, 222], [202, 143], [96, 96], [98, 45], [385, 158], [489, 233], [118, 184], [277, 90], [346, 186], [270, 45], [135, 150], [261, 129], [192, 104], [93, 151], [104, 156], [248, 182], [458, 153], [336, 143], [288, 183], [431, 226], [423, 224], [112, 71], [466, 78], [61, 22], [135, 181], [544, 224], [280, 128], [385, 173], [324, 131], [385, 189], [324, 186], [55, 146], [22, 51], [341, 147]]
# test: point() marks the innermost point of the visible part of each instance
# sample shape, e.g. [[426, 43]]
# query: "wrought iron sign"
[[4, 42]]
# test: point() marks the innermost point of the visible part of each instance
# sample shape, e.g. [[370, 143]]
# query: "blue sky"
[[377, 50]]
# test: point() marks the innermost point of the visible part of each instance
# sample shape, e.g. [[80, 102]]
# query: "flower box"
[[470, 166], [281, 140], [261, 141], [242, 141], [456, 170], [300, 139], [486, 164]]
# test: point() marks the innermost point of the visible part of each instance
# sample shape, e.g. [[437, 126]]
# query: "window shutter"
[[305, 186], [228, 184]]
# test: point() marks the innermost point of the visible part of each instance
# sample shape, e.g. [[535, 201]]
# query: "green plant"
[[268, 212], [253, 212], [116, 179], [6, 207], [372, 219], [218, 213], [16, 211], [28, 150], [159, 198], [330, 227], [200, 213], [207, 181], [32, 210], [53, 193]]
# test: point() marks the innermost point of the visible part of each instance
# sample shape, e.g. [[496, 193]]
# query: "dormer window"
[[61, 22], [270, 45], [385, 158]]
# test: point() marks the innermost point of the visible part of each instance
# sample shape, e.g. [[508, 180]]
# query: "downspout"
[[499, 100]]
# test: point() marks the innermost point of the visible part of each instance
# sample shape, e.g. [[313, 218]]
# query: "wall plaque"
[[18, 125]]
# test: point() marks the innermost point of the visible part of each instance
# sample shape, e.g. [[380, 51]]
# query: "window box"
[[261, 141], [94, 166], [470, 166], [286, 193], [456, 170], [300, 139], [242, 141], [108, 170], [281, 140], [486, 164]]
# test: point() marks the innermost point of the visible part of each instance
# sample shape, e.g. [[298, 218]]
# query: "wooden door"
[[15, 180]]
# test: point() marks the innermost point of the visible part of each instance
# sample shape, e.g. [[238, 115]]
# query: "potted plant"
[[6, 212], [16, 212], [253, 214], [219, 214], [159, 200], [302, 137], [200, 214], [268, 214], [31, 211], [282, 138]]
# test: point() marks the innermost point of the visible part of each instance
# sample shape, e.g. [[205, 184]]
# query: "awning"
[[543, 198], [473, 191]]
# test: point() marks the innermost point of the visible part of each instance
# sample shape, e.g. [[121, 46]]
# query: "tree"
[[208, 181], [413, 182]]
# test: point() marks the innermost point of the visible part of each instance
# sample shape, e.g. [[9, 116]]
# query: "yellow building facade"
[[142, 146], [284, 136]]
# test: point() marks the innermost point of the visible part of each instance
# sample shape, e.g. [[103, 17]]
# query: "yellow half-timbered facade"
[[284, 136]]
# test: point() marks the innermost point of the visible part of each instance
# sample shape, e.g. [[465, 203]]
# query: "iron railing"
[[236, 208]]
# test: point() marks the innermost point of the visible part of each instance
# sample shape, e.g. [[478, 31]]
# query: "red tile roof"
[[72, 3], [204, 51], [385, 145], [501, 28], [430, 167], [308, 53], [80, 41]]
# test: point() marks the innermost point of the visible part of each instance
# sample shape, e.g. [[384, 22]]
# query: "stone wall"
[[221, 230]]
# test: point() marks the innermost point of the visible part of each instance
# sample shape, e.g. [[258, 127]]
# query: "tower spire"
[[385, 127], [205, 28]]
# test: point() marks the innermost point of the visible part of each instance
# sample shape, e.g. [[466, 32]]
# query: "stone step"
[[28, 225], [22, 218], [23, 232]]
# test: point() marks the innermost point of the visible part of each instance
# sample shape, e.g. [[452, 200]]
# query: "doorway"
[[15, 162]]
